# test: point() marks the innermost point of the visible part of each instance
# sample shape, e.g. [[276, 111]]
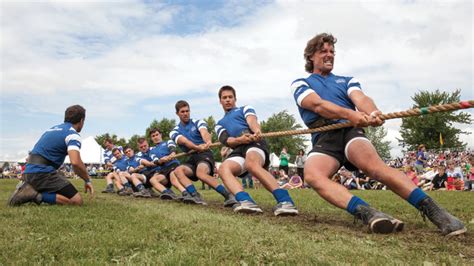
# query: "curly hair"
[[314, 45]]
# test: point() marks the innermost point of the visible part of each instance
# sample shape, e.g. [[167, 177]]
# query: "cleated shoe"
[[153, 193], [196, 199], [142, 194], [229, 201], [246, 206], [168, 195], [377, 221], [109, 189], [447, 223], [285, 208], [23, 194]]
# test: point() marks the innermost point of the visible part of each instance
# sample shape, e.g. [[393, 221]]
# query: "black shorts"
[[54, 182], [334, 142], [201, 157], [241, 151], [166, 171]]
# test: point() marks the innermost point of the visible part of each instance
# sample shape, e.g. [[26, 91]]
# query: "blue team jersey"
[[163, 149], [132, 162], [145, 156], [120, 165], [108, 156], [235, 122], [54, 145], [190, 131], [335, 89]]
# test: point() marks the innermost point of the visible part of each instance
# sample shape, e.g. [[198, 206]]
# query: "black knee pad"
[[68, 191]]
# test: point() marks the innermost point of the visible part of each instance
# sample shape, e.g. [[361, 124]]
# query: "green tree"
[[132, 142], [165, 126], [115, 140], [427, 129], [376, 136], [280, 122]]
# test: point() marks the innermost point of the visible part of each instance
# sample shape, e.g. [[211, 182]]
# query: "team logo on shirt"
[[340, 81]]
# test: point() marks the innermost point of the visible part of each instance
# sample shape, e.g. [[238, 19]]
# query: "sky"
[[128, 62]]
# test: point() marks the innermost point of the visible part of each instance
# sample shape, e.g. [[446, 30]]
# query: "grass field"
[[113, 229]]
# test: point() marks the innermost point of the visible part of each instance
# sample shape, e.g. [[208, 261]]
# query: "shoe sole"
[[231, 204], [286, 213], [399, 225], [457, 232], [141, 196], [248, 210], [382, 226], [166, 198]]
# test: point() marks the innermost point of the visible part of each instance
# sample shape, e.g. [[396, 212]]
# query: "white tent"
[[275, 161], [91, 151]]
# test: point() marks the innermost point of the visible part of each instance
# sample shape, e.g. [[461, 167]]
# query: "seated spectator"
[[348, 179], [283, 178], [455, 177], [439, 181], [470, 174], [295, 182], [410, 172]]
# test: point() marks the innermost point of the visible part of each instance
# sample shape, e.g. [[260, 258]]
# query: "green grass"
[[113, 229]]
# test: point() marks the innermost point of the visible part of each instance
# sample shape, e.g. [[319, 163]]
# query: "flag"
[[441, 139]]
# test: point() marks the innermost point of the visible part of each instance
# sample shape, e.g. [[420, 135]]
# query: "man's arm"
[[80, 169], [365, 104], [329, 110]]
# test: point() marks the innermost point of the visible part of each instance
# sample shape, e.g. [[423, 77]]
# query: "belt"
[[40, 160], [320, 122]]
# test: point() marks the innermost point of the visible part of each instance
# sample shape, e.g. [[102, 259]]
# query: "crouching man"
[[42, 181]]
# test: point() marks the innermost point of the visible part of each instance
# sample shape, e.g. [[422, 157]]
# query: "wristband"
[[88, 181]]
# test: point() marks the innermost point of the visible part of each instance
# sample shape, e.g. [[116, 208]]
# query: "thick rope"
[[408, 113]]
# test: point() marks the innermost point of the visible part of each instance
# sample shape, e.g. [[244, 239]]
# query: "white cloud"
[[114, 53]]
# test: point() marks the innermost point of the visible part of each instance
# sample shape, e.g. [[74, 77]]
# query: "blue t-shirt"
[[121, 165], [418, 155], [234, 121], [145, 156], [190, 131], [109, 157], [161, 150], [333, 88], [54, 145], [133, 162]]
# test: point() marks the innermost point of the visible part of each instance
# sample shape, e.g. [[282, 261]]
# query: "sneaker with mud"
[[168, 195], [144, 193], [23, 194], [229, 201], [377, 221], [285, 208], [447, 223], [196, 199], [109, 189], [246, 206], [127, 191]]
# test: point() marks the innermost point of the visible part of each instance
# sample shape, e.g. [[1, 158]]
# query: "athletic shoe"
[[229, 201], [447, 223], [285, 208], [109, 189], [246, 206], [168, 195], [144, 193], [196, 199], [153, 193], [126, 191], [377, 221], [23, 194]]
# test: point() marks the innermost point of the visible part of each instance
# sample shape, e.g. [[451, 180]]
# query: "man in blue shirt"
[[42, 181], [239, 129], [120, 166], [324, 98], [191, 134], [136, 170], [109, 160]]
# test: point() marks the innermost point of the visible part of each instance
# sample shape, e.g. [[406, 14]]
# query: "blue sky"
[[128, 62]]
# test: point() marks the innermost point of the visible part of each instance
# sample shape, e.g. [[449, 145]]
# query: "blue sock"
[[416, 196], [221, 190], [48, 197], [191, 189], [242, 195], [167, 191], [127, 184], [282, 195], [353, 203], [140, 187]]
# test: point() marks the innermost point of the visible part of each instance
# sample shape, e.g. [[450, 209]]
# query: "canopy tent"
[[91, 151]]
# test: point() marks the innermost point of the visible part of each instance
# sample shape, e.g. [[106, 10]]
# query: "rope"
[[408, 113]]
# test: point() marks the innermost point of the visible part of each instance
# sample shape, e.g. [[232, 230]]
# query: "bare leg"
[[228, 171], [253, 163]]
